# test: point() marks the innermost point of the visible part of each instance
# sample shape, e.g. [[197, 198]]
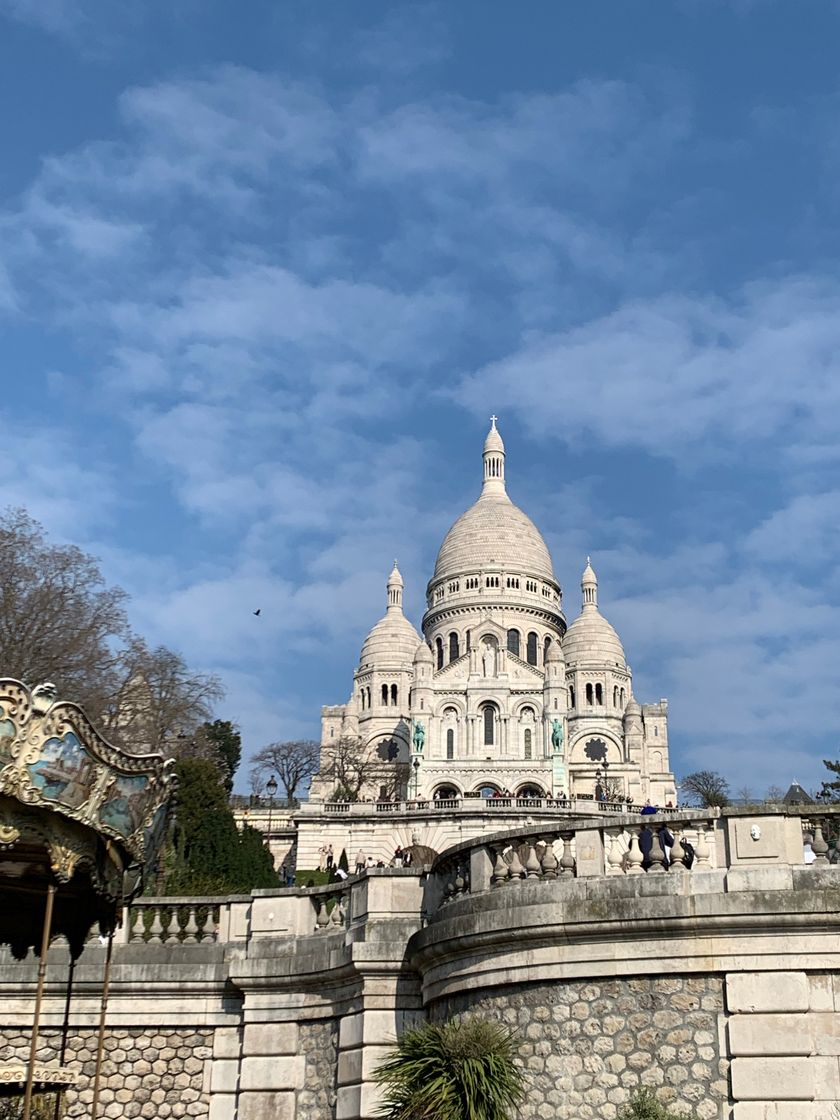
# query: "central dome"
[[493, 533]]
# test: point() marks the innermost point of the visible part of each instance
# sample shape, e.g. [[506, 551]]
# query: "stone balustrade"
[[469, 805], [171, 921]]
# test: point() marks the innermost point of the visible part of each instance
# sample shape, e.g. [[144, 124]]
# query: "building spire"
[[394, 588], [494, 461], [589, 586]]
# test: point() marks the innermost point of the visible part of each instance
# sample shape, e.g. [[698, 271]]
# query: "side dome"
[[591, 639], [493, 532], [393, 640]]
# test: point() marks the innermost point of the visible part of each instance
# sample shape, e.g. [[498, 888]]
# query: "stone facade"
[[588, 1046], [717, 986], [156, 1073], [498, 696], [319, 1046]]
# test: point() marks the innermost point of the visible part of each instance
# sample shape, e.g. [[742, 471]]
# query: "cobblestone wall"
[[319, 1046], [587, 1046], [144, 1073]]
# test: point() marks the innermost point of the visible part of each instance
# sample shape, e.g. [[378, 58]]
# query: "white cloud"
[[679, 376]]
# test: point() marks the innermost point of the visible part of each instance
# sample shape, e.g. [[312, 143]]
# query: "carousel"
[[81, 825]]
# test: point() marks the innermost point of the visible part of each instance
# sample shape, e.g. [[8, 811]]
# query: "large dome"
[[494, 533]]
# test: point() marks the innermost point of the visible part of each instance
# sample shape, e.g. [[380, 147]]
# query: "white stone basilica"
[[499, 696]]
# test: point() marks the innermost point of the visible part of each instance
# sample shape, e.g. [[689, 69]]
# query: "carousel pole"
[[103, 1007], [39, 995], [65, 1029]]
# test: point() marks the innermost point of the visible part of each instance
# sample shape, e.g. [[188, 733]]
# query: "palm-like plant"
[[461, 1070]]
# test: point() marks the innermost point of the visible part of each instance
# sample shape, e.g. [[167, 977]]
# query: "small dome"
[[634, 708], [423, 654], [555, 653], [393, 641], [592, 639]]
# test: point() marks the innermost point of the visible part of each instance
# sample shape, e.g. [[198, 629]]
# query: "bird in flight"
[[257, 611]]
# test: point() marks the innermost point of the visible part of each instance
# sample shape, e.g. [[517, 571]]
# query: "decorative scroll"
[[52, 757]]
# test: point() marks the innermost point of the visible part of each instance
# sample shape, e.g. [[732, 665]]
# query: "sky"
[[267, 269]]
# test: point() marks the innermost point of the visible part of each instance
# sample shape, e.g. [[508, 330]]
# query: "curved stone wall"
[[587, 1046]]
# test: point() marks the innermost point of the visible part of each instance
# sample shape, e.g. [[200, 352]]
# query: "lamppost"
[[416, 778], [271, 789]]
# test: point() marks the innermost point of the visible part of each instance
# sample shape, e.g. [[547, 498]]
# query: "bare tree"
[[157, 699], [357, 769], [745, 795], [293, 762], [705, 787], [60, 622]]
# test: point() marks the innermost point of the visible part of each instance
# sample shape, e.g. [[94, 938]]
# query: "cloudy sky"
[[266, 269]]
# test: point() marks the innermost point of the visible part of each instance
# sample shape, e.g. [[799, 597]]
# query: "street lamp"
[[416, 778], [271, 787]]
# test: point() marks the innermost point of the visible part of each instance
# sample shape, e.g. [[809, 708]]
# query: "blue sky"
[[266, 269]]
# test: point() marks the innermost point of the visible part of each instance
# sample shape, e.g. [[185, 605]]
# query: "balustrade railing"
[[170, 921], [331, 908]]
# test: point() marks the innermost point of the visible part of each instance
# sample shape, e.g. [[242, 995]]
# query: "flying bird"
[[257, 611]]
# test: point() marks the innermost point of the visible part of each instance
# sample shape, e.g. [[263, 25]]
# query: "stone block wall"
[[587, 1046], [784, 1037], [149, 1073]]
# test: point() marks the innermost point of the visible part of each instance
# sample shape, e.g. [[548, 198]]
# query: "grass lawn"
[[311, 878]]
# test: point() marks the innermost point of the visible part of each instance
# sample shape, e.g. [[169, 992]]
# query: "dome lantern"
[[494, 461]]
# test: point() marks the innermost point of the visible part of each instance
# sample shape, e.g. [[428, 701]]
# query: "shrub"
[[644, 1106], [462, 1070]]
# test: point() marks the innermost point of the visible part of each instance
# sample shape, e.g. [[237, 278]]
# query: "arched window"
[[384, 694], [622, 697], [363, 699], [528, 742], [615, 695], [489, 713], [571, 695], [532, 648], [394, 695], [513, 641], [439, 645], [469, 643], [453, 647], [599, 694], [589, 694], [546, 644], [450, 743]]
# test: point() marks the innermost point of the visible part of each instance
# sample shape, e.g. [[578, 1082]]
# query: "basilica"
[[499, 697]]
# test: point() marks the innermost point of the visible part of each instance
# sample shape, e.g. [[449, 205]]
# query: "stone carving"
[[556, 734]]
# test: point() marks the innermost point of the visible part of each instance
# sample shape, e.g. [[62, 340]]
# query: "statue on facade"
[[556, 734], [419, 736]]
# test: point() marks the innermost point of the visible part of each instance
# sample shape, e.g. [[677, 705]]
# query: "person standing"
[[322, 858], [360, 861], [329, 857]]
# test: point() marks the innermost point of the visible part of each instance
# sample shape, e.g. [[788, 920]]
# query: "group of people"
[[327, 862]]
